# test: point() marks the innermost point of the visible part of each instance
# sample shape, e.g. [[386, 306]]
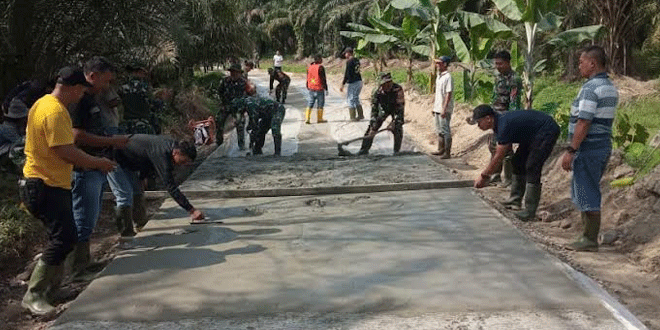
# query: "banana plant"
[[482, 32], [537, 16], [433, 17]]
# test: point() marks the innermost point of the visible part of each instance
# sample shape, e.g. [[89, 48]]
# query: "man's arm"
[[78, 158], [322, 76], [484, 177], [580, 133], [446, 104], [88, 139], [162, 163]]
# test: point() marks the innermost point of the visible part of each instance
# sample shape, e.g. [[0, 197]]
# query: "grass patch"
[[295, 68], [644, 111], [642, 157]]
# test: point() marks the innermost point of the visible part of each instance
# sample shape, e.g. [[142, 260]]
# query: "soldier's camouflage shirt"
[[136, 97], [386, 103], [258, 108], [231, 89], [506, 92]]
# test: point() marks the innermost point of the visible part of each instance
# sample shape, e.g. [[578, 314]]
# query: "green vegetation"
[[19, 231], [642, 157], [294, 67], [643, 111]]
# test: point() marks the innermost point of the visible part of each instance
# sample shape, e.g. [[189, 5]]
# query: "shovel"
[[340, 146]]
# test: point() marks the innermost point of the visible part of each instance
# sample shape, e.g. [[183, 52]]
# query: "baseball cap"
[[71, 76], [445, 59], [385, 77], [481, 111]]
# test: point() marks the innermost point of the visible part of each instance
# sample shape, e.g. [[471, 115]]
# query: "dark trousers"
[[54, 208], [397, 132], [529, 158], [281, 92]]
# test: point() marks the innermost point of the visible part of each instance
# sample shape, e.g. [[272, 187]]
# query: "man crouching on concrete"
[[536, 134], [147, 153]]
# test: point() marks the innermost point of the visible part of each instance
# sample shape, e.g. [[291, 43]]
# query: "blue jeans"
[[314, 96], [353, 94], [588, 169], [87, 192]]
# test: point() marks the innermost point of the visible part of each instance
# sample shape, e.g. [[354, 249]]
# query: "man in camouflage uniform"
[[506, 97], [265, 114], [387, 100], [232, 87], [139, 107], [283, 84]]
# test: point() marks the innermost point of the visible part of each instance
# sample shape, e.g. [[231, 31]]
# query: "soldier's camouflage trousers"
[[281, 91], [273, 122]]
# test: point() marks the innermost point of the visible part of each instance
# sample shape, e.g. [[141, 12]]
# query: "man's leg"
[[518, 180], [310, 104], [321, 104], [122, 188], [588, 169], [86, 193], [366, 143], [446, 132], [539, 151], [398, 136], [358, 105], [54, 210]]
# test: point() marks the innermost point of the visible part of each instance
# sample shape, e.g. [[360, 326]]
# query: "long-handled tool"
[[340, 146]]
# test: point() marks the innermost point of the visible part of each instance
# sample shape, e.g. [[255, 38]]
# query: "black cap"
[[71, 76], [481, 111]]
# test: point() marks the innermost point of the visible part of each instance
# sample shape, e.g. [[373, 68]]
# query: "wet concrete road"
[[426, 259]]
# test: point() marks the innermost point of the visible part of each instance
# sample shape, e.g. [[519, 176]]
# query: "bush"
[[642, 157], [19, 231]]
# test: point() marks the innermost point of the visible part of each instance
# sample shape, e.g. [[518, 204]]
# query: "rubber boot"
[[507, 172], [447, 153], [41, 280], [308, 115], [319, 117], [532, 198], [82, 268], [139, 212], [360, 113], [588, 242], [441, 146], [518, 183], [124, 217], [277, 141], [351, 114]]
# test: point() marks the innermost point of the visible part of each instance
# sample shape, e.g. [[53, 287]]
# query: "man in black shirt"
[[156, 153], [282, 88], [536, 134], [353, 78]]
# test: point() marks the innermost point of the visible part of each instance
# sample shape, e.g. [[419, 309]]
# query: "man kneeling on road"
[[387, 100], [536, 134], [265, 114], [147, 153]]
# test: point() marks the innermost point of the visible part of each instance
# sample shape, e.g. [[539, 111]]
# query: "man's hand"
[[567, 161], [443, 114], [120, 141], [481, 181], [196, 215], [105, 165], [341, 89], [326, 92], [391, 126]]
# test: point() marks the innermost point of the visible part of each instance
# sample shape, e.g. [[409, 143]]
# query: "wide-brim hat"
[[17, 109]]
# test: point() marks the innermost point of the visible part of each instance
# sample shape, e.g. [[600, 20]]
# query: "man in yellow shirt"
[[46, 188]]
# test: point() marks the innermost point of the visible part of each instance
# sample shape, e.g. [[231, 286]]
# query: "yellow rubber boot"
[[320, 116], [308, 115]]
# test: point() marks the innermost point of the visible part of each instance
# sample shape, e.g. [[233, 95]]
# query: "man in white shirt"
[[443, 107], [277, 61]]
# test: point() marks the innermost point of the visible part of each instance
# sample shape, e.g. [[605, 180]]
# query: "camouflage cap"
[[236, 67]]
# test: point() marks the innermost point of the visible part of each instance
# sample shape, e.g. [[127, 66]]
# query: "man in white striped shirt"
[[590, 134]]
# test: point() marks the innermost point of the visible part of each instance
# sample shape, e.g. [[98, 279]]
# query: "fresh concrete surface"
[[426, 259]]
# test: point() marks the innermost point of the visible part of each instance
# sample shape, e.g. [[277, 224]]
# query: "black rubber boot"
[[507, 172], [277, 141], [518, 183], [360, 113], [532, 198], [139, 212], [441, 146], [588, 242], [447, 153], [124, 216]]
